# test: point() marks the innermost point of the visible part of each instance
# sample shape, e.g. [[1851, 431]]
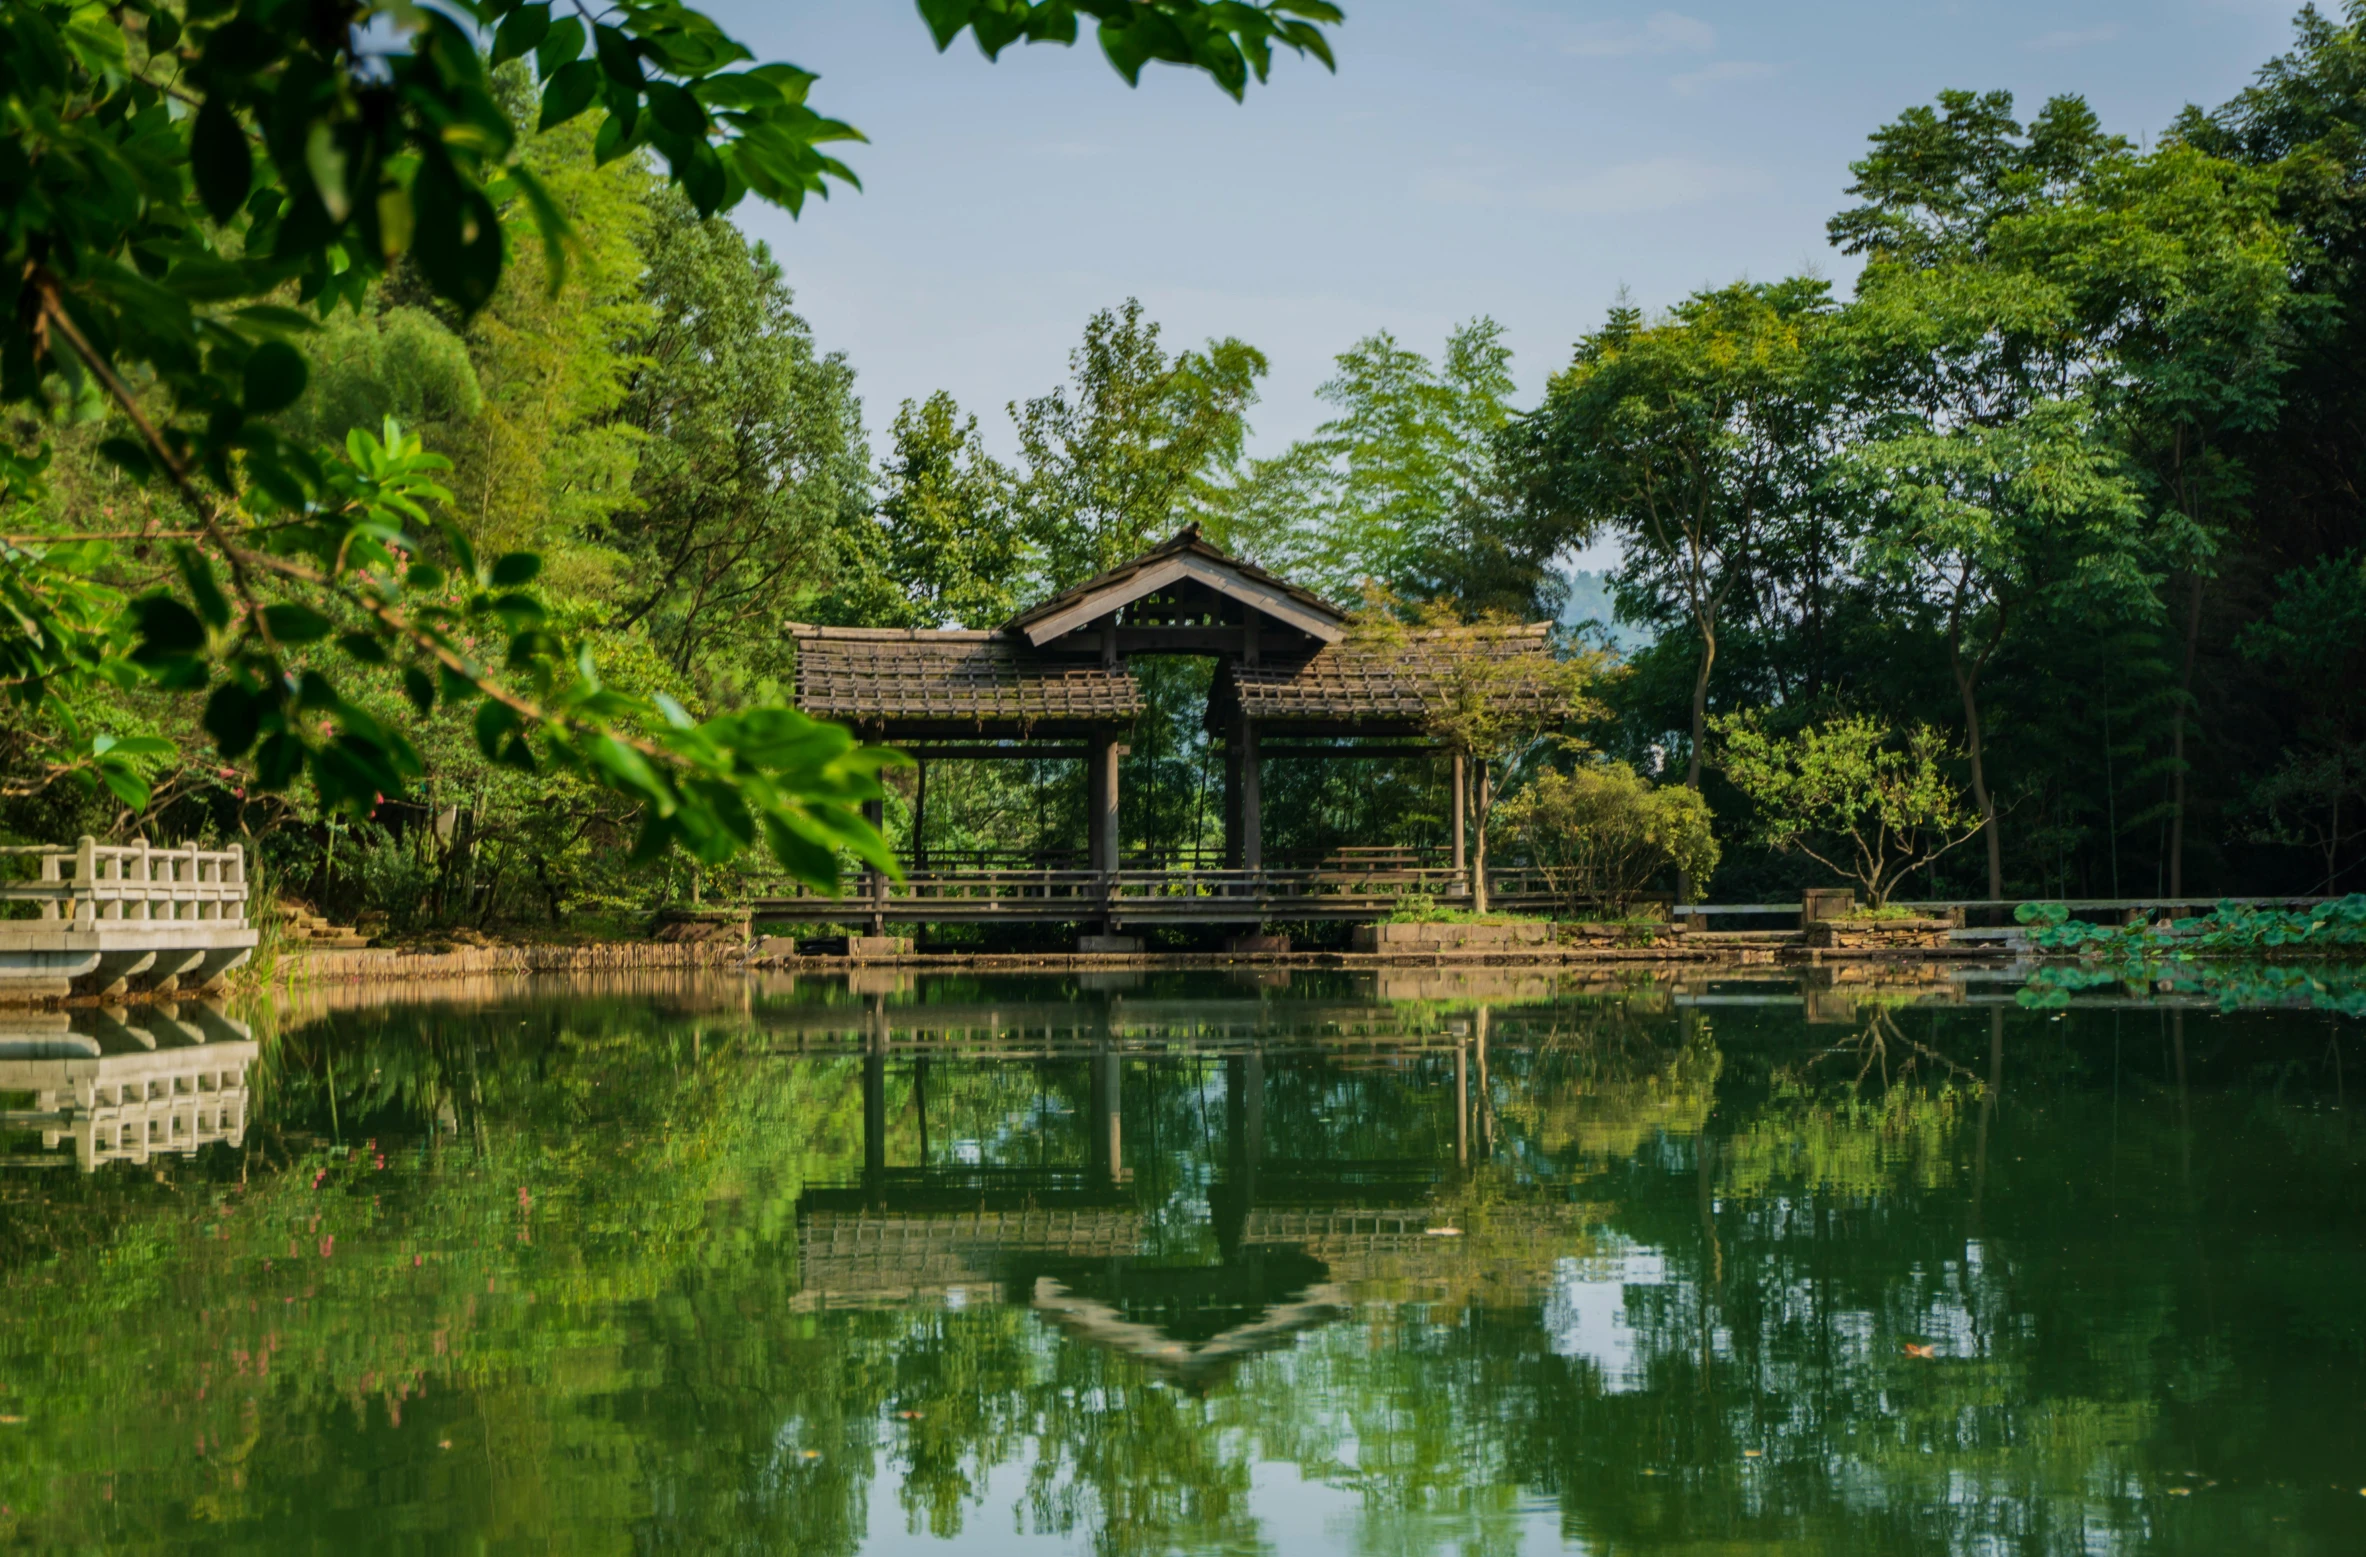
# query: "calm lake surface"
[[1182, 1263]]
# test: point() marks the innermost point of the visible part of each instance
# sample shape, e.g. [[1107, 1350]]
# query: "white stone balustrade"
[[112, 914], [169, 1084]]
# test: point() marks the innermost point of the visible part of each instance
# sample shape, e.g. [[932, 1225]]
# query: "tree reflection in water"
[[1662, 1267]]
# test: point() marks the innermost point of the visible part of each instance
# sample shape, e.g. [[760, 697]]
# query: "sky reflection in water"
[[1187, 1264]]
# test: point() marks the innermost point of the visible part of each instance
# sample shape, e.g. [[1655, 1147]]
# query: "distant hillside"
[[1589, 601]]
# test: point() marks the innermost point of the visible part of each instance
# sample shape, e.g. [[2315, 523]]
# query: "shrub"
[[1603, 833]]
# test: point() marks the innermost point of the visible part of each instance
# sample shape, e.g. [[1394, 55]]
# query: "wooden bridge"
[[1133, 899], [100, 918], [1294, 680]]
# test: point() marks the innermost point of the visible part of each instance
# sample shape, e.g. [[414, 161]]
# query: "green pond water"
[[1172, 1263]]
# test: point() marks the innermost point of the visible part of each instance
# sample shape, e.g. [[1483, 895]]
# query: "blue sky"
[[1519, 160]]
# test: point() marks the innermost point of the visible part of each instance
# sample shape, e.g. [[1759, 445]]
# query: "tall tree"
[[2176, 266], [752, 463], [2040, 304], [1395, 487], [321, 155], [1112, 458], [1681, 437], [945, 547]]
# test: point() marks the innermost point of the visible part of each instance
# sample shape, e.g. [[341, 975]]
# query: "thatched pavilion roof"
[[908, 681], [1382, 682], [1291, 661]]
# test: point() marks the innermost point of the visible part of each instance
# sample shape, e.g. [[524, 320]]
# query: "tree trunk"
[[2193, 640], [1483, 798], [1700, 736], [1980, 797], [1700, 709]]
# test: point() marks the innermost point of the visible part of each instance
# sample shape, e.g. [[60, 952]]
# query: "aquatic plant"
[[2334, 928]]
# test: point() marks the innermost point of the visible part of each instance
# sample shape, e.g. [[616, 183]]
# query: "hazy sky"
[[1518, 160]]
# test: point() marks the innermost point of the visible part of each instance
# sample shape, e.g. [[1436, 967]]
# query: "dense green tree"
[[1682, 438], [751, 462], [1113, 458], [2023, 281], [946, 549], [322, 154]]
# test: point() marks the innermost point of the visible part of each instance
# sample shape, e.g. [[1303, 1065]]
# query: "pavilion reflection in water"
[[1296, 1233], [125, 1085]]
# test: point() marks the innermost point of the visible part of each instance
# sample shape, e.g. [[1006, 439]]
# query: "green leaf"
[[618, 59], [232, 716], [521, 33], [676, 110], [561, 45], [570, 90], [274, 378], [419, 687], [458, 239], [130, 454], [496, 722], [277, 761], [362, 647], [220, 160], [515, 568], [292, 623], [197, 575], [126, 784]]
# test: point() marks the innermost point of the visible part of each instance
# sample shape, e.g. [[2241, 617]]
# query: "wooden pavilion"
[[1293, 680]]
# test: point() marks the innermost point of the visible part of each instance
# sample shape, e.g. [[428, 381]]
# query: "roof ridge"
[[896, 634], [1187, 539]]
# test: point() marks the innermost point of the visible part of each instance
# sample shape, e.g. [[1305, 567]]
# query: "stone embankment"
[[461, 962]]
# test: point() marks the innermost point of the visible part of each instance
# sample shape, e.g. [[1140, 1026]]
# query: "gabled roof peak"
[[1186, 555]]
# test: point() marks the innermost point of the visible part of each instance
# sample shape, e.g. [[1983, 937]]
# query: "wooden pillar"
[[1252, 802], [875, 881], [1458, 802], [1105, 801], [1100, 800], [1462, 1105], [919, 849], [1105, 1143], [1232, 802]]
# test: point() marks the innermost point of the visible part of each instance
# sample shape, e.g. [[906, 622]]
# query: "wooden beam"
[[1260, 597], [1103, 601], [1264, 597], [997, 753], [1376, 752]]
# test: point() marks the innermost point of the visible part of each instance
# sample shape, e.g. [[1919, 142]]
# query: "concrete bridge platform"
[[110, 919]]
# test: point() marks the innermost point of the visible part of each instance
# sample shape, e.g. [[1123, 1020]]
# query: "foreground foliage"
[[195, 193]]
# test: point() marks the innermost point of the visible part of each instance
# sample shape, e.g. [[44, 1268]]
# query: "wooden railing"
[[92, 883], [1347, 891]]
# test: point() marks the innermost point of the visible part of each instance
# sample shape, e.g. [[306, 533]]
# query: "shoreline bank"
[[396, 967]]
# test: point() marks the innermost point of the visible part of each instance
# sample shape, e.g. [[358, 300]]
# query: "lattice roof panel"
[[1392, 678], [891, 676]]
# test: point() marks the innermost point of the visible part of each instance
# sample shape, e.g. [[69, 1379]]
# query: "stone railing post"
[[142, 870], [86, 882], [50, 878], [235, 872]]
